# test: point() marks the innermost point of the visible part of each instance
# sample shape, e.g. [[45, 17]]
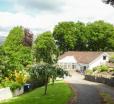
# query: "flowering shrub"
[[21, 76]]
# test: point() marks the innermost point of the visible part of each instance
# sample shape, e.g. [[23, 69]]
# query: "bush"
[[8, 83], [14, 85], [102, 68], [89, 72]]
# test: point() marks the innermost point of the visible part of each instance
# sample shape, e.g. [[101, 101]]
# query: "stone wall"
[[100, 79]]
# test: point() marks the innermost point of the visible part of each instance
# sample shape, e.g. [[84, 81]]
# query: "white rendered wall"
[[99, 61], [5, 93], [67, 62]]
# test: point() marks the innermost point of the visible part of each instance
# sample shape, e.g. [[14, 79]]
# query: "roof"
[[84, 57], [68, 59]]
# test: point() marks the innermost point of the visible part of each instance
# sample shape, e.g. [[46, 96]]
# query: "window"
[[73, 66], [84, 67], [104, 57]]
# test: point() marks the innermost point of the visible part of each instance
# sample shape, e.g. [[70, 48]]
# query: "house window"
[[73, 66], [104, 57], [84, 67]]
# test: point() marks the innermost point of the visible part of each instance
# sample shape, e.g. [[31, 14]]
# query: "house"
[[79, 60]]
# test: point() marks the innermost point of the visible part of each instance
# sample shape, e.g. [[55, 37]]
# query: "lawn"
[[107, 99], [60, 93]]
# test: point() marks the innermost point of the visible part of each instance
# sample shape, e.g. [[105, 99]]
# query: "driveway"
[[87, 92]]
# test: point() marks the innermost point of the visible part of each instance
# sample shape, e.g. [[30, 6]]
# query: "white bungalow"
[[76, 60]]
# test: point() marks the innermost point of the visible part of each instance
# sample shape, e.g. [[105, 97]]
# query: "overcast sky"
[[43, 15]]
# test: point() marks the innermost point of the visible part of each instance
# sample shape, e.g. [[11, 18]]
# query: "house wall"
[[67, 63], [99, 61], [80, 67]]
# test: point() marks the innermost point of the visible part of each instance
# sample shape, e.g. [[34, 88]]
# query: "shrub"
[[89, 72], [103, 68], [14, 85], [21, 76], [9, 83]]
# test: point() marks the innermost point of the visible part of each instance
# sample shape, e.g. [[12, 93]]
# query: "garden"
[[29, 67], [102, 74]]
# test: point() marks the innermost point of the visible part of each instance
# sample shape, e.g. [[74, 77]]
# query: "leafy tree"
[[81, 37], [45, 48], [17, 53], [100, 36], [64, 33], [46, 71], [96, 36]]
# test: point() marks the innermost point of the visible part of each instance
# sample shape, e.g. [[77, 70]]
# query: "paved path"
[[88, 92]]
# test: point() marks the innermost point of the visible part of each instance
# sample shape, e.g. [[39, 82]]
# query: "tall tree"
[[64, 33], [45, 48], [81, 37], [17, 50], [100, 36]]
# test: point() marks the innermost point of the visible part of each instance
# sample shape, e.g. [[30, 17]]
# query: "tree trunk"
[[53, 80], [46, 85]]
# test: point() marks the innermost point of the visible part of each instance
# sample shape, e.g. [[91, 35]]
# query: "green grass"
[[107, 99], [60, 93]]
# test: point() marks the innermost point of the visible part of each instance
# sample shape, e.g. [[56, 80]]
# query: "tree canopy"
[[64, 33], [45, 48], [16, 55], [96, 36]]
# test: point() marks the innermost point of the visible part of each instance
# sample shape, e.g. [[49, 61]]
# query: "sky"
[[42, 15]]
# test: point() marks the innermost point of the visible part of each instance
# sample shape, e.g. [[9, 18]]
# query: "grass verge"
[[106, 98], [60, 93]]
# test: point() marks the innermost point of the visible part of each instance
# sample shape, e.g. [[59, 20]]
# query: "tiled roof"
[[84, 57]]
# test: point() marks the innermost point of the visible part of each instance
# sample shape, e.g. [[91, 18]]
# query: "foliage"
[[60, 93], [46, 71], [100, 36], [9, 83], [13, 86], [45, 48], [96, 36], [102, 68], [98, 69], [90, 72], [64, 33], [15, 55], [21, 76]]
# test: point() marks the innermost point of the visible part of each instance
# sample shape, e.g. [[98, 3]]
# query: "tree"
[[46, 71], [45, 48], [100, 36], [111, 2], [81, 37], [64, 33], [17, 50]]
